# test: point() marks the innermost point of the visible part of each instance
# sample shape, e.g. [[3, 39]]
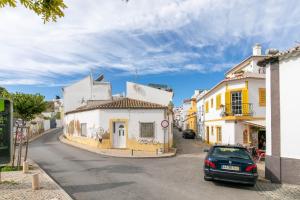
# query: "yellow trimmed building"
[[192, 115], [234, 109], [124, 123]]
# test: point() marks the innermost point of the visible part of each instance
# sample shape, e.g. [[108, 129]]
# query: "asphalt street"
[[85, 175]]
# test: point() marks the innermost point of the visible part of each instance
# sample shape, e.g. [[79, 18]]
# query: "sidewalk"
[[275, 191], [123, 153], [17, 186]]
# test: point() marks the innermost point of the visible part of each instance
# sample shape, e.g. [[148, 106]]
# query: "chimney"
[[257, 50]]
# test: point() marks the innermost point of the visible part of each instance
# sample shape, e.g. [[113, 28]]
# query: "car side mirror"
[[206, 150]]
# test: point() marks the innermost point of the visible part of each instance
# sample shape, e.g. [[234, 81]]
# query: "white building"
[[148, 93], [235, 107], [283, 135], [183, 123], [124, 122], [87, 89], [201, 114]]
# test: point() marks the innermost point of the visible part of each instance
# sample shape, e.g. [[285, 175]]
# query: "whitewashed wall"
[[228, 131], [149, 94], [134, 117], [46, 124], [84, 89], [253, 93], [91, 118], [96, 119], [213, 113], [268, 112], [289, 71]]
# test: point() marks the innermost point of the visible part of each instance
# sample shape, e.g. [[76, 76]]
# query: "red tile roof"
[[124, 103]]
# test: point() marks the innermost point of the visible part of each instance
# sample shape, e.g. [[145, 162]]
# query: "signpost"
[[164, 123], [5, 131]]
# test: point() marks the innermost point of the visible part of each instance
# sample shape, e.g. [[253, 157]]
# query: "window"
[[218, 101], [211, 102], [236, 102], [212, 131], [227, 152], [83, 129], [146, 129], [206, 107], [219, 134], [262, 97]]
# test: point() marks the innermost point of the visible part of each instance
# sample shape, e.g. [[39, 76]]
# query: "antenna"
[[136, 74]]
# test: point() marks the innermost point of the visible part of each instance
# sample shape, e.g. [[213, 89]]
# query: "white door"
[[119, 135]]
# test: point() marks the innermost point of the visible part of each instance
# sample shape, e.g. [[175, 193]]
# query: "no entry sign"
[[164, 123]]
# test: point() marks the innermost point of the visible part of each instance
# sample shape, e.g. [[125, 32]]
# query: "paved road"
[[86, 175]]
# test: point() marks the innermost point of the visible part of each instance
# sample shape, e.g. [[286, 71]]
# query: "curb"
[[66, 195], [98, 151]]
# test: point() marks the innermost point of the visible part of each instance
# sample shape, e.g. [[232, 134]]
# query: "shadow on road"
[[95, 187], [122, 169]]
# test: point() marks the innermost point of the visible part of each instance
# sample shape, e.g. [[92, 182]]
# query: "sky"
[[186, 44]]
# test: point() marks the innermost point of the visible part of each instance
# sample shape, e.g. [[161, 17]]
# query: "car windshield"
[[230, 152]]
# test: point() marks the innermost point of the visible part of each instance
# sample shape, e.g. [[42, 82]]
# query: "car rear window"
[[230, 152]]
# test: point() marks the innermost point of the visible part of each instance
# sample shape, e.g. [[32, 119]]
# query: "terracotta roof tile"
[[124, 103]]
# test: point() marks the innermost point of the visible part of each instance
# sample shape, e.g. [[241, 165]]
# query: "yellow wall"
[[90, 142], [106, 144], [192, 116]]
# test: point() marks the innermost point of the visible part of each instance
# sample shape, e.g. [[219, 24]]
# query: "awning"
[[257, 123]]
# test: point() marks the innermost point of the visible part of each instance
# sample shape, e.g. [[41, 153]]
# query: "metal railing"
[[242, 109]]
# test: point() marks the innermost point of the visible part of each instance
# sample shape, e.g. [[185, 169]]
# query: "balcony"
[[241, 109]]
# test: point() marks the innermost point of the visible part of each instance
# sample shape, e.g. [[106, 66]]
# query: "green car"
[[230, 163]]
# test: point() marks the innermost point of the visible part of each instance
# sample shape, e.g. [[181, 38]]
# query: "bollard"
[[25, 167], [35, 181]]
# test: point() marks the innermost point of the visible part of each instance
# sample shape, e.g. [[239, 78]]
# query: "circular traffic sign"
[[165, 123]]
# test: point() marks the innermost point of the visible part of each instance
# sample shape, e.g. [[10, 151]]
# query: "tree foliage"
[[27, 106], [4, 93], [50, 10]]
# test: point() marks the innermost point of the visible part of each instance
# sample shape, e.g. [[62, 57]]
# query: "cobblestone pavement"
[[278, 191], [17, 186]]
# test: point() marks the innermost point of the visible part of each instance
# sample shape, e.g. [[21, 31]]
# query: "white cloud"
[[149, 36]]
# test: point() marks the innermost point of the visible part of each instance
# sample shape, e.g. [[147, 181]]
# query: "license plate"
[[229, 167]]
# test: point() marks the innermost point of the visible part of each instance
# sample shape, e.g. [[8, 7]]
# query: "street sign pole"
[[164, 124]]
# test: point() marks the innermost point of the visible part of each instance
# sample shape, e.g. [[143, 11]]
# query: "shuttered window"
[[218, 101], [211, 102], [262, 97], [206, 107], [146, 129]]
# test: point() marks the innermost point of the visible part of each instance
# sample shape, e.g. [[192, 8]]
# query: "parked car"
[[188, 134], [230, 163]]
